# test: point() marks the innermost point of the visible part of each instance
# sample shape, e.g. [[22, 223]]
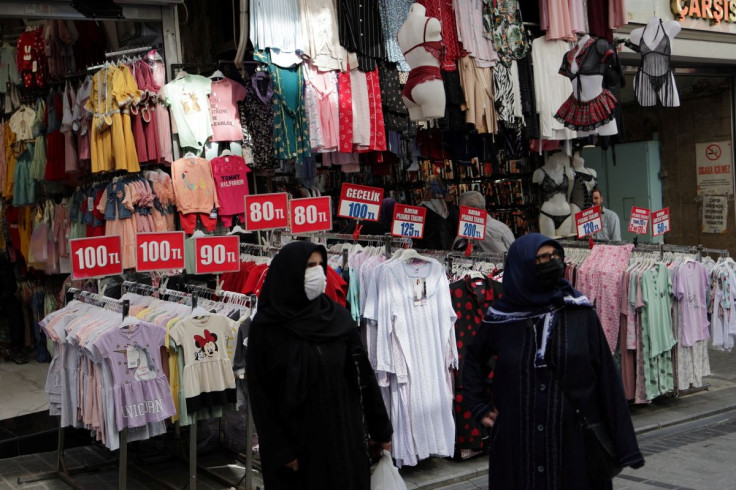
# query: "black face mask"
[[549, 273]]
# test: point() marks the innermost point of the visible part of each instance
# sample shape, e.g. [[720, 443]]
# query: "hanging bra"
[[581, 196], [550, 187], [435, 48]]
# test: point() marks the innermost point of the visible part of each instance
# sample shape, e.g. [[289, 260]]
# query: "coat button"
[[540, 469], [542, 387], [540, 427]]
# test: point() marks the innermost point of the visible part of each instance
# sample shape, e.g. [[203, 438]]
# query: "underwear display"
[[654, 77], [550, 187], [426, 73], [433, 47], [580, 195], [557, 220]]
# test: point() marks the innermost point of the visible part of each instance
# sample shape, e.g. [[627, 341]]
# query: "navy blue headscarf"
[[521, 290]]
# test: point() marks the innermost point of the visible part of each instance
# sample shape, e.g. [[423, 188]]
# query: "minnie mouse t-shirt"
[[208, 378]]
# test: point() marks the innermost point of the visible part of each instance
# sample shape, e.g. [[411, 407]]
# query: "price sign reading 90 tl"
[[96, 257], [360, 202], [660, 221], [159, 251], [216, 254], [266, 211], [311, 214]]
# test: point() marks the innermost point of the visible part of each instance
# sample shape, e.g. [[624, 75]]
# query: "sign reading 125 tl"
[[360, 202], [96, 257], [472, 223], [408, 221], [311, 214], [159, 251], [266, 211], [216, 254]]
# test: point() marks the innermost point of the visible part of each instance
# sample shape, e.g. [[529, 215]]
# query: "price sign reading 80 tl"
[[311, 214], [266, 211], [360, 202]]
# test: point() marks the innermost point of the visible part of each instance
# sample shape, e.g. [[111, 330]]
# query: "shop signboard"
[[96, 257], [360, 202], [660, 221], [639, 220], [409, 221], [311, 214], [715, 214], [588, 221], [159, 251], [266, 211], [472, 223], [714, 163], [216, 254]]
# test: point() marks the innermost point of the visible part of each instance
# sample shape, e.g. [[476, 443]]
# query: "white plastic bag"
[[385, 475]]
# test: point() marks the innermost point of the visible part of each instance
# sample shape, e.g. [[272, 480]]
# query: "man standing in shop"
[[498, 237], [611, 226]]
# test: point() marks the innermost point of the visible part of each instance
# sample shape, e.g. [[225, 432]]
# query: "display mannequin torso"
[[655, 77], [555, 219], [420, 40], [582, 185], [589, 88]]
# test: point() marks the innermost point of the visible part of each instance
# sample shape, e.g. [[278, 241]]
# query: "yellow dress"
[[132, 96], [9, 142], [25, 229], [100, 134]]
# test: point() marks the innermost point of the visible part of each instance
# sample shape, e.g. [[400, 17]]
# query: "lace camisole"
[[580, 195]]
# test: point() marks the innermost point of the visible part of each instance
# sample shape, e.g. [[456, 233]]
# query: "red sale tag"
[[660, 221], [311, 214], [588, 221], [408, 221], [96, 257], [639, 220], [266, 211], [162, 251], [472, 223], [216, 254], [360, 202]]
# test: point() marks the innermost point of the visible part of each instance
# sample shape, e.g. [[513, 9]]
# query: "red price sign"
[[159, 251], [360, 202], [472, 223], [588, 221], [660, 221], [408, 221], [96, 257], [216, 254], [311, 214], [266, 211], [639, 220]]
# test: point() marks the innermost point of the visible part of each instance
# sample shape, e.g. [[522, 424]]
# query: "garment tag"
[[132, 357], [90, 203], [420, 292], [35, 66], [213, 214]]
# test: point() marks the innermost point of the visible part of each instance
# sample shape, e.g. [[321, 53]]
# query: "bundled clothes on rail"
[[722, 307]]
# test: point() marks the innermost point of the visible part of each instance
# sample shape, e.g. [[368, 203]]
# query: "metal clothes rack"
[[123, 52], [387, 240]]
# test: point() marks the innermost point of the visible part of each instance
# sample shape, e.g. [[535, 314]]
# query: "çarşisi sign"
[[472, 223], [408, 221], [266, 211], [159, 251], [311, 214], [588, 221], [216, 254], [639, 220], [360, 202], [96, 257]]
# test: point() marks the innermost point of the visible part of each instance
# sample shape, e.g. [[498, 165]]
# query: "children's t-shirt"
[[194, 186], [187, 98], [224, 100], [231, 181], [21, 123]]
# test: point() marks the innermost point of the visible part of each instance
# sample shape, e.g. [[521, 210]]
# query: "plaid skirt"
[[586, 116]]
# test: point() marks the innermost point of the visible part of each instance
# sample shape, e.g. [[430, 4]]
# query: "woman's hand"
[[489, 419], [386, 446], [293, 465]]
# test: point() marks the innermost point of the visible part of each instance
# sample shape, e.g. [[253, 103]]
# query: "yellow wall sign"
[[715, 11]]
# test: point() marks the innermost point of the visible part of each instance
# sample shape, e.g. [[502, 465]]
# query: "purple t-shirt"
[[140, 388], [691, 286]]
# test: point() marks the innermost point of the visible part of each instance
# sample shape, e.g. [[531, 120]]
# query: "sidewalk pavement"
[[428, 474]]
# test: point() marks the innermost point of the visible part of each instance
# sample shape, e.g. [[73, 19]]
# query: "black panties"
[[557, 220]]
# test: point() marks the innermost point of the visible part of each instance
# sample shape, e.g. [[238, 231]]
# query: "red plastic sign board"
[[360, 202], [660, 221], [311, 214], [216, 254], [96, 257], [266, 211], [159, 251], [639, 220], [472, 223], [588, 221], [409, 221]]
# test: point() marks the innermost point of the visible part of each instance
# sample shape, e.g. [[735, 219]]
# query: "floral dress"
[[503, 25]]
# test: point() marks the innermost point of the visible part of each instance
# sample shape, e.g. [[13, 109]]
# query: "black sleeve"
[[376, 416], [276, 447], [476, 368]]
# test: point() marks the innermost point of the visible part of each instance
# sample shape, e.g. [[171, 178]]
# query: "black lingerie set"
[[549, 189]]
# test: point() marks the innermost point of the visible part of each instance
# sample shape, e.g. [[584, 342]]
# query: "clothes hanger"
[[217, 75]]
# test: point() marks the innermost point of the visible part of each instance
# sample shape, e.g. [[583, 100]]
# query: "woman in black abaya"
[[312, 390]]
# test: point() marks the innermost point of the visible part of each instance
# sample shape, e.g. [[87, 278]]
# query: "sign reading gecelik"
[[360, 202]]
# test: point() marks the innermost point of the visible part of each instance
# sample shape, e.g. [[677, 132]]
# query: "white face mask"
[[315, 282]]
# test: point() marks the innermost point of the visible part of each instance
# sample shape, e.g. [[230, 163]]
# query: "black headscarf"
[[284, 304], [521, 290]]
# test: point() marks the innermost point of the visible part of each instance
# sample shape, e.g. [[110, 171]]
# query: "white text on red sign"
[[159, 251], [311, 214], [360, 202], [215, 255], [96, 257], [661, 221], [472, 223], [408, 221], [588, 221], [639, 221], [266, 211]]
